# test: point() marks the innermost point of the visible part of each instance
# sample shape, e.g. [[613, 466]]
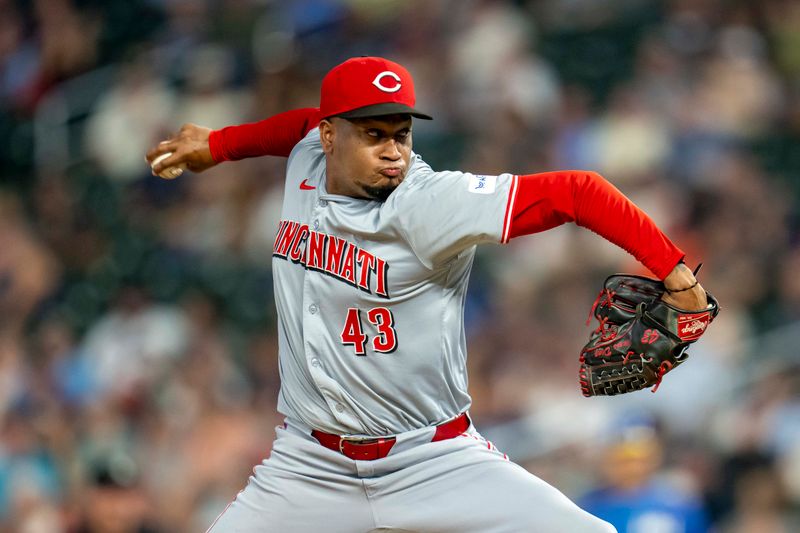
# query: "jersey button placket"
[[321, 204], [311, 329], [313, 309]]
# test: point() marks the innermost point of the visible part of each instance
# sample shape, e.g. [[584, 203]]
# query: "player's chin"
[[381, 192]]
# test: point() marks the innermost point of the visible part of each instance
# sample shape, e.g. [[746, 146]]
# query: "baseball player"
[[371, 261]]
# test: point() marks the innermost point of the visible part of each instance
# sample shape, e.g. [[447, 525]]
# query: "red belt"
[[369, 449]]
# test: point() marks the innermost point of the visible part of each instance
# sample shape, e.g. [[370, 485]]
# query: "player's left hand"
[[189, 147]]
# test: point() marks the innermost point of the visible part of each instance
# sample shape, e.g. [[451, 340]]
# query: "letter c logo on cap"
[[378, 82]]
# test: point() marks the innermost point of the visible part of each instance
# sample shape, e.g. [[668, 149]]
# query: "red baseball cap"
[[368, 87]]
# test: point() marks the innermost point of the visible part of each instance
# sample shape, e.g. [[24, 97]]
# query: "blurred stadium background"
[[138, 373]]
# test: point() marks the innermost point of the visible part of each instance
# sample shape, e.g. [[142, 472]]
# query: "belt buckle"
[[360, 441], [354, 440]]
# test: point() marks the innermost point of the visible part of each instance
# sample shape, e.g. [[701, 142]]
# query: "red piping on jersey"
[[546, 200], [512, 195], [276, 135]]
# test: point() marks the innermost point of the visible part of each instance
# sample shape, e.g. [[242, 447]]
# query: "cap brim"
[[379, 110]]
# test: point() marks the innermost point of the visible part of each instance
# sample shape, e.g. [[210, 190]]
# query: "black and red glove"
[[640, 337]]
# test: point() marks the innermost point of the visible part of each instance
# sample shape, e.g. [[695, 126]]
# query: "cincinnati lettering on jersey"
[[331, 255]]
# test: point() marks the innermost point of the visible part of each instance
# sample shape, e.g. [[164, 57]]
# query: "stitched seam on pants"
[[369, 501]]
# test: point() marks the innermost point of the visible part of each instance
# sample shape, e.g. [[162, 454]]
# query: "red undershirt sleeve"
[[539, 202], [275, 135]]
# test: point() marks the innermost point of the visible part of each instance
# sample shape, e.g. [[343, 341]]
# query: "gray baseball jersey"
[[370, 300], [370, 295]]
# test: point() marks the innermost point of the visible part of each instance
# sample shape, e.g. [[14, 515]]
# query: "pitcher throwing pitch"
[[371, 262]]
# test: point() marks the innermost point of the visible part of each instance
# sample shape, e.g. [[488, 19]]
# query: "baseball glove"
[[640, 337]]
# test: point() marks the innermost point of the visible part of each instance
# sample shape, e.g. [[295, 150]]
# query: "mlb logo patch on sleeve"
[[480, 184]]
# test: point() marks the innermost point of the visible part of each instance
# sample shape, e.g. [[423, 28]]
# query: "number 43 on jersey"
[[353, 332]]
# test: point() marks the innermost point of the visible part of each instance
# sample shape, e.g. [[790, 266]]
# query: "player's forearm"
[[276, 135], [550, 199]]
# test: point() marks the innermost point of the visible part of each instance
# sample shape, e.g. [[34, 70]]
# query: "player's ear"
[[326, 135]]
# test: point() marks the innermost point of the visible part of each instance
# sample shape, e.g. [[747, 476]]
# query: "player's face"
[[366, 157]]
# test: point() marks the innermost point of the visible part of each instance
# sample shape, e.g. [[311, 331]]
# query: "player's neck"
[[337, 182]]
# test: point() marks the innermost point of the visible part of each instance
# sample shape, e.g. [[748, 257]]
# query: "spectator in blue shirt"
[[633, 496]]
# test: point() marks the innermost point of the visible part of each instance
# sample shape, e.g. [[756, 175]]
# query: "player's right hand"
[[189, 146]]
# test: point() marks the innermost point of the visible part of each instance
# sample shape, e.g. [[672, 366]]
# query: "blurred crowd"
[[138, 352]]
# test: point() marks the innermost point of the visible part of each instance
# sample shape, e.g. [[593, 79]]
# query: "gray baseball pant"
[[460, 485]]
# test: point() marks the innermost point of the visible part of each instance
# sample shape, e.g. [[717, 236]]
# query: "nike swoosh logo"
[[304, 186]]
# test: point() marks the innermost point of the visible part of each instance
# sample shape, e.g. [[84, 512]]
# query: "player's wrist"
[[687, 288], [215, 146], [680, 279]]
